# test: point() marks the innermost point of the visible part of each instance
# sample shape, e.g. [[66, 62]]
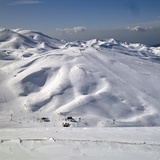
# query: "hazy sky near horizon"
[[126, 20]]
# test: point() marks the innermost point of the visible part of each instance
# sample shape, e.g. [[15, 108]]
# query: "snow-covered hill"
[[103, 82], [18, 43]]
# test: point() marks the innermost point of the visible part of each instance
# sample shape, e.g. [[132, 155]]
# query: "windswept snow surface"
[[105, 85], [80, 143]]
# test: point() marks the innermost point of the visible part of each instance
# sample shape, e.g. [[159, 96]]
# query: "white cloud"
[[139, 28], [71, 30], [25, 2]]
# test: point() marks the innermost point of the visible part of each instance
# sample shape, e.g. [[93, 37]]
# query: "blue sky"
[[126, 20]]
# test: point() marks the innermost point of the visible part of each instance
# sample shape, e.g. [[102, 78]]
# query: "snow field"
[[111, 143]]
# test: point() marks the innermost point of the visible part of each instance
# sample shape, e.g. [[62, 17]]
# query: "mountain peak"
[[26, 39]]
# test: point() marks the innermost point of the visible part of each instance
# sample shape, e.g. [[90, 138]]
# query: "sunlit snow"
[[101, 83]]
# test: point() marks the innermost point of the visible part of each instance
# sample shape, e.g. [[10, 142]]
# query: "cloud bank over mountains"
[[71, 30], [133, 34], [139, 28]]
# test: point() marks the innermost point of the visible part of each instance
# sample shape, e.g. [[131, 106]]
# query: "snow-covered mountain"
[[100, 81]]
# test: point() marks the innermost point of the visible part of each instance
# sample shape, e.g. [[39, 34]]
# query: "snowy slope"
[[101, 81], [80, 143]]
